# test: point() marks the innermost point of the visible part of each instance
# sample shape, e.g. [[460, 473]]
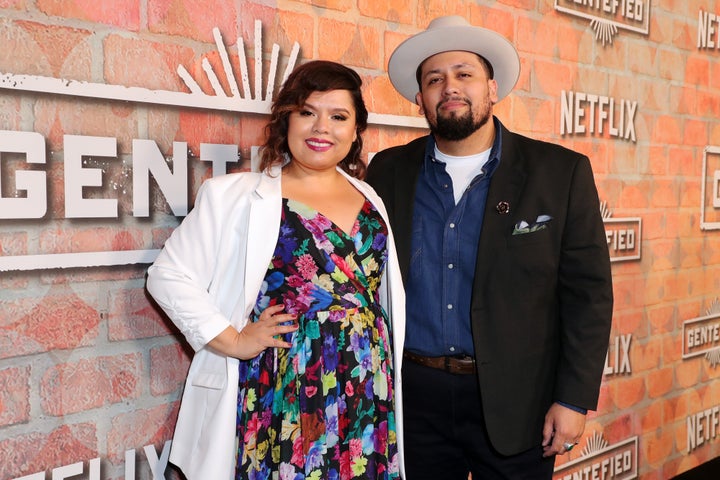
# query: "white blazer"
[[206, 278]]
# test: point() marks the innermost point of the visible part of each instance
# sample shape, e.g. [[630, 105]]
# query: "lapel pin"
[[503, 207]]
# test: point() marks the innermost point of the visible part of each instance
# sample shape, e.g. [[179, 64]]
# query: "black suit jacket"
[[542, 302]]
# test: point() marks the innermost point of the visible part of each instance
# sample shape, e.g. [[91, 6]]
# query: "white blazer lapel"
[[264, 227]]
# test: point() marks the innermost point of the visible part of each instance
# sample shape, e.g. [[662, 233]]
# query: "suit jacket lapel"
[[506, 185], [405, 180]]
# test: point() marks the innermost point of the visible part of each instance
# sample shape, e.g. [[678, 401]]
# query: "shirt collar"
[[494, 152]]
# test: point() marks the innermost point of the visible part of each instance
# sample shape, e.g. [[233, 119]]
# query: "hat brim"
[[495, 48]]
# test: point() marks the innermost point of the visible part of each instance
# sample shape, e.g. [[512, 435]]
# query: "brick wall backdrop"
[[91, 372]]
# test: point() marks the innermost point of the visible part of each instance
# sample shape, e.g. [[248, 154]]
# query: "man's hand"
[[562, 425]]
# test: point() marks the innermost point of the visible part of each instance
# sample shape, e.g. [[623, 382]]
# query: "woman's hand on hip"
[[256, 336]]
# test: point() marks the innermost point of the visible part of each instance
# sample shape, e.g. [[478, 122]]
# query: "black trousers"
[[445, 434]]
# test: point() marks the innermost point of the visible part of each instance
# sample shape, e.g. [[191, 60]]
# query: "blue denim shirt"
[[444, 245], [443, 254]]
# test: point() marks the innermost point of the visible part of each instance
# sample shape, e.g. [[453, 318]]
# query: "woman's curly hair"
[[310, 77]]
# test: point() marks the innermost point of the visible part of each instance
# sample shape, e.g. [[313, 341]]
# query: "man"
[[505, 264]]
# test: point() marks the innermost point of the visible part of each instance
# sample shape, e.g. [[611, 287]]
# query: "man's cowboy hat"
[[445, 34]]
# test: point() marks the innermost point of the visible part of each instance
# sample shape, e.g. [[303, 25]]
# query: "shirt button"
[[452, 349], [450, 307], [450, 266], [452, 225]]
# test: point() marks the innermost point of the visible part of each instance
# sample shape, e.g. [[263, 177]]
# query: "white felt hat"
[[450, 33]]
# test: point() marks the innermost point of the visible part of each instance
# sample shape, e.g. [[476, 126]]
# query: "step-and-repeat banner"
[[113, 113]]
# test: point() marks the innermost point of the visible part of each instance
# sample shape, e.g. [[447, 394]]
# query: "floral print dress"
[[323, 409]]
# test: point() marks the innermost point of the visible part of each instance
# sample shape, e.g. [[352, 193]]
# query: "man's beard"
[[455, 128]]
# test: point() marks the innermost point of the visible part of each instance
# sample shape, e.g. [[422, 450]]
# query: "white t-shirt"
[[462, 169]]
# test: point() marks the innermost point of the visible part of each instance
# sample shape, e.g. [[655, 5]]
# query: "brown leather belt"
[[457, 365]]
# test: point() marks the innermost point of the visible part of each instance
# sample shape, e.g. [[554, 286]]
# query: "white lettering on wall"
[[582, 113], [31, 183], [702, 427], [148, 159], [708, 29], [617, 360], [31, 187], [76, 177], [157, 466]]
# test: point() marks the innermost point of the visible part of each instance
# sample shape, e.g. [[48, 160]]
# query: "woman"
[[283, 282]]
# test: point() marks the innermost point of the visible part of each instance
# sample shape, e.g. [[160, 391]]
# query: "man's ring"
[[568, 446]]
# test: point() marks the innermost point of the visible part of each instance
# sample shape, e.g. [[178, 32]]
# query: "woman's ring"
[[568, 446]]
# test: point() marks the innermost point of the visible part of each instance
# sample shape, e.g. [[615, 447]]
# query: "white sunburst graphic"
[[594, 444], [617, 460], [609, 18], [241, 97], [605, 211], [604, 31]]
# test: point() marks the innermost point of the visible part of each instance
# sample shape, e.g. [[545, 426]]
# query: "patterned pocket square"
[[523, 227]]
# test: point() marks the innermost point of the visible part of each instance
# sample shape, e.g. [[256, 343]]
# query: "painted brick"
[[619, 428], [646, 354], [396, 13], [90, 383], [534, 36], [665, 193], [151, 426], [634, 196], [341, 5], [521, 4], [605, 399], [98, 239], [683, 100], [697, 70], [14, 4], [123, 13], [427, 10], [627, 291], [13, 243], [142, 63], [661, 319], [551, 78], [60, 116], [695, 133], [501, 21], [668, 62], [291, 27], [656, 447], [36, 452], [349, 43], [10, 117], [540, 114], [653, 97], [660, 382], [652, 416], [132, 315], [381, 97], [625, 161], [629, 392], [168, 368], [683, 162], [55, 50], [14, 395], [708, 104], [191, 19], [687, 373], [643, 61], [58, 320], [630, 321]]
